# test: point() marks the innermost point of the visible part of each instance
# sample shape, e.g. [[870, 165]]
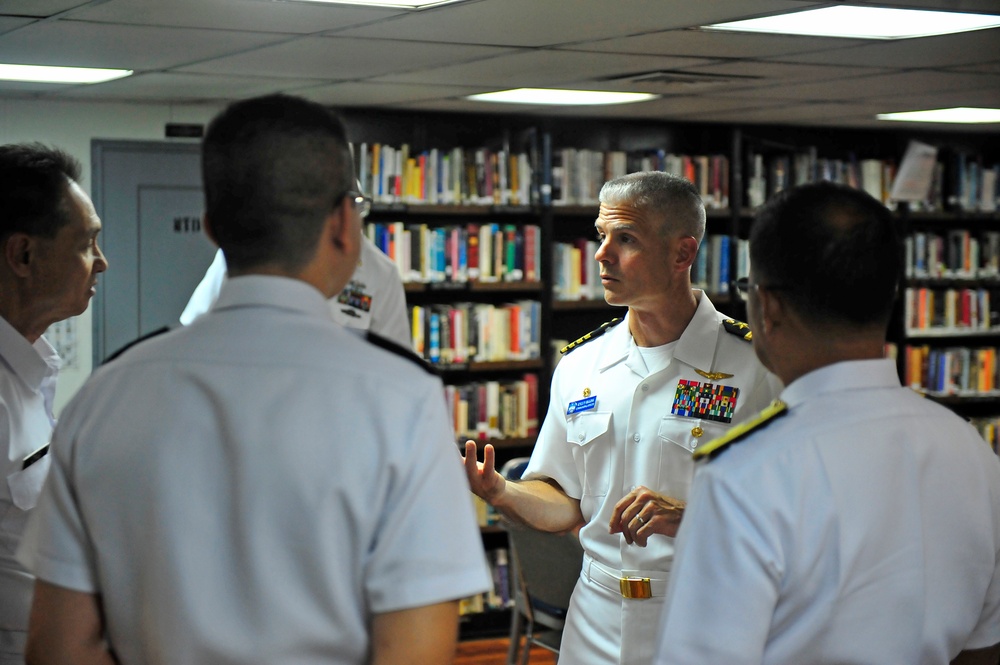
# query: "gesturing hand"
[[484, 481], [642, 512]]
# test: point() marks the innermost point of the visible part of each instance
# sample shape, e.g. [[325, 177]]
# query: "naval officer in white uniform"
[[629, 404], [858, 522]]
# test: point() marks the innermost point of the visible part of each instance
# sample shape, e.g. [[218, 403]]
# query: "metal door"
[[149, 198]]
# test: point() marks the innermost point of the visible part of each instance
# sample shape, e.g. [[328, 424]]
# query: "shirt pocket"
[[679, 436], [25, 487], [592, 437]]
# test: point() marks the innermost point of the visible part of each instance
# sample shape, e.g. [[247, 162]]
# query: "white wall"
[[72, 126]]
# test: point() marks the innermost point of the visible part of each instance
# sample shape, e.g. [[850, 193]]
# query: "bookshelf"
[[450, 176]]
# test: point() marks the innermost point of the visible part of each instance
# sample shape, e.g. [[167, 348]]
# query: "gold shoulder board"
[[712, 448], [738, 328], [593, 334]]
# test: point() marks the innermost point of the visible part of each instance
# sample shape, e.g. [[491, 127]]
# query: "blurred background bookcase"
[[527, 186]]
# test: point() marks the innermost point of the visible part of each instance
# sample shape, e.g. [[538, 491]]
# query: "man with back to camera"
[[629, 403], [261, 486], [857, 522], [51, 260]]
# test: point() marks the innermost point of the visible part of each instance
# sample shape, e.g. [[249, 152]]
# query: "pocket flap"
[[26, 485], [582, 428]]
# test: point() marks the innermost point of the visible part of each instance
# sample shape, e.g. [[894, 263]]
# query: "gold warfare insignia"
[[776, 409], [713, 376], [738, 328], [586, 392], [593, 334]]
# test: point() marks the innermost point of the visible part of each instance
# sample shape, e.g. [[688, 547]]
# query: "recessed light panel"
[[864, 23], [556, 97], [46, 74], [956, 115]]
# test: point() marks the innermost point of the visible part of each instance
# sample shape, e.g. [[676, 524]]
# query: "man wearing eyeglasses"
[[261, 486], [373, 300], [629, 404], [856, 522]]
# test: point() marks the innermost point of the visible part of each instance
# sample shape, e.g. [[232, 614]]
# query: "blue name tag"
[[582, 405]]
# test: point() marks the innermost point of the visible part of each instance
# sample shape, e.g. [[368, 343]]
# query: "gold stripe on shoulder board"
[[738, 328], [603, 328], [715, 446]]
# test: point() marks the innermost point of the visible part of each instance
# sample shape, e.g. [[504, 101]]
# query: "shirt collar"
[[843, 376], [695, 347], [272, 291], [32, 363]]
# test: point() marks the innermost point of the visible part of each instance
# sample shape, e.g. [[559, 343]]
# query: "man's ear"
[[687, 250], [19, 251], [773, 308], [342, 232]]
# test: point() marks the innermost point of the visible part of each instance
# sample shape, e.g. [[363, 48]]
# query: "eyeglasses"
[[361, 203], [743, 287]]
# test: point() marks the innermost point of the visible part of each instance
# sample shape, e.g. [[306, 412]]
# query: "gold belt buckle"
[[635, 587]]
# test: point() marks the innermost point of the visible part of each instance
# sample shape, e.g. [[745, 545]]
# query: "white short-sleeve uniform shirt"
[[612, 425], [252, 487], [863, 526], [27, 387], [373, 300]]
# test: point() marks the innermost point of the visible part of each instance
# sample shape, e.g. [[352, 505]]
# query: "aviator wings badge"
[[713, 376]]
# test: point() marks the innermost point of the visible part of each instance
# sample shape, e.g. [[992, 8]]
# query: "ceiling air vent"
[[666, 81]]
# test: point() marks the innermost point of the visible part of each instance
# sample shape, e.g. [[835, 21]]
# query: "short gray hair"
[[672, 198]]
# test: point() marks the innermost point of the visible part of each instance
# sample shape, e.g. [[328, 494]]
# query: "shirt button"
[[635, 437], [581, 436], [645, 387]]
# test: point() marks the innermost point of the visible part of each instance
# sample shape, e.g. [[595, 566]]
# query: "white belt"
[[630, 584]]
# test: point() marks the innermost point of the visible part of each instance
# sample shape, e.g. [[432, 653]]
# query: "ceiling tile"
[[38, 8], [74, 43], [350, 93], [335, 58], [941, 51], [544, 22], [710, 44], [543, 68], [253, 15], [184, 87]]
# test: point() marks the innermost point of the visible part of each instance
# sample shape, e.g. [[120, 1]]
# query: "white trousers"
[[602, 628]]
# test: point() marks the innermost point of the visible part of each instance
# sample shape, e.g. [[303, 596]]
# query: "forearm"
[[540, 504], [420, 636], [66, 628]]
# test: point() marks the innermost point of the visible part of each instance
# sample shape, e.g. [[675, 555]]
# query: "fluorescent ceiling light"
[[864, 23], [561, 97], [957, 115], [398, 4], [46, 74]]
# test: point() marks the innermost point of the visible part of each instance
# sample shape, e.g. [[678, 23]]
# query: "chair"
[[545, 568]]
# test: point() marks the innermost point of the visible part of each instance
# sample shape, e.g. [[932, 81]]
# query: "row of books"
[[971, 185], [579, 174], [461, 253], [768, 175], [500, 596], [962, 371], [957, 253], [477, 176], [464, 332], [576, 273], [494, 409], [948, 310]]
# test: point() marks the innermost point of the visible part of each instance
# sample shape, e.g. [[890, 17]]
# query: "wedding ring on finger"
[[641, 521]]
